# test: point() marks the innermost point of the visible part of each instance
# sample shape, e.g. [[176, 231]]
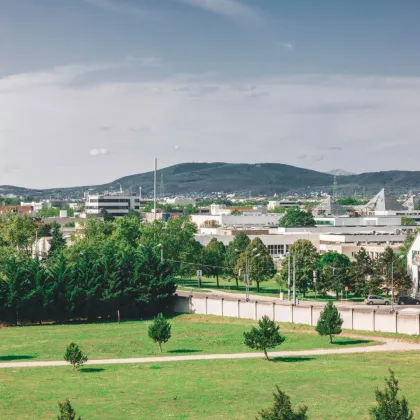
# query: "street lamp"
[[247, 271], [392, 280]]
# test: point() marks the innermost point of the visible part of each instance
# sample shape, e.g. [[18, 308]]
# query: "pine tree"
[[57, 243], [160, 330], [282, 409], [265, 337], [389, 406], [66, 411], [74, 356], [329, 322]]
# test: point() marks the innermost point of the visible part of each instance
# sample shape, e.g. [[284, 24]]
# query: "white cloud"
[[98, 152], [205, 118], [232, 9], [287, 45]]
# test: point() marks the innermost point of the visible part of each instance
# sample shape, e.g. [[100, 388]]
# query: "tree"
[[66, 411], [296, 218], [392, 268], [334, 270], [57, 243], [329, 322], [260, 264], [233, 251], [279, 210], [362, 274], [74, 356], [389, 406], [160, 330], [214, 259], [306, 256], [408, 221], [236, 212], [282, 409], [18, 231], [264, 337], [106, 216]]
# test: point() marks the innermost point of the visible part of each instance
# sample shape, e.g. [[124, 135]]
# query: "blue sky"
[[94, 89]]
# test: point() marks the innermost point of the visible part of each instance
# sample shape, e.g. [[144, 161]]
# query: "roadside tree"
[[233, 251], [260, 264], [334, 271]]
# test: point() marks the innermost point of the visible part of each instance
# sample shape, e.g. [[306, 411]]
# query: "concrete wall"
[[354, 318]]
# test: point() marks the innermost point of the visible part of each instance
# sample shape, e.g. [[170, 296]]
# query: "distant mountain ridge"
[[240, 178], [340, 172]]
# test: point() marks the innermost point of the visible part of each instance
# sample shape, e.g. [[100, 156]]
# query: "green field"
[[334, 387], [267, 288], [191, 334]]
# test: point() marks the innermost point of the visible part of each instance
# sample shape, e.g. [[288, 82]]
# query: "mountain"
[[241, 178], [340, 172]]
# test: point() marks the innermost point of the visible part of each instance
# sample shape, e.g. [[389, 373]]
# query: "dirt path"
[[388, 346]]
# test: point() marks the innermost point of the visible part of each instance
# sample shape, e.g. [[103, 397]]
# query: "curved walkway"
[[388, 346]]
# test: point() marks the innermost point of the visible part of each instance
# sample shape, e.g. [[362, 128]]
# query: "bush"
[[282, 409], [389, 406], [265, 337], [74, 356], [66, 411]]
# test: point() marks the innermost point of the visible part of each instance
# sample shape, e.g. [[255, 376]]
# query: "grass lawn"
[[267, 288], [191, 334], [334, 387]]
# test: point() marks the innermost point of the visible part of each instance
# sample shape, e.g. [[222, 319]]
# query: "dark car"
[[406, 300]]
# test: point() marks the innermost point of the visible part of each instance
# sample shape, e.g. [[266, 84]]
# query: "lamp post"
[[247, 271], [392, 280]]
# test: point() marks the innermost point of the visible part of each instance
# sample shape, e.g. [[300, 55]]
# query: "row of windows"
[[278, 249]]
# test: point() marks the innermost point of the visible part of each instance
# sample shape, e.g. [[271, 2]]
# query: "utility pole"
[[246, 278], [288, 278], [154, 189], [294, 280]]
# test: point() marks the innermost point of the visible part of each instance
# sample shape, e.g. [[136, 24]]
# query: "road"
[[388, 346], [261, 298]]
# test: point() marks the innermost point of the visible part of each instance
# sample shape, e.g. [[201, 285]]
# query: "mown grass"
[[334, 387], [198, 334], [268, 288]]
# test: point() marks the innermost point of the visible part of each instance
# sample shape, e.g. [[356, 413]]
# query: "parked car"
[[407, 300], [376, 300]]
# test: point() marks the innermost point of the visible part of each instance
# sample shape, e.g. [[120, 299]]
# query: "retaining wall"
[[354, 318]]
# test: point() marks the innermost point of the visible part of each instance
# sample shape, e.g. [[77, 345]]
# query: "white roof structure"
[[383, 201], [410, 204], [329, 206]]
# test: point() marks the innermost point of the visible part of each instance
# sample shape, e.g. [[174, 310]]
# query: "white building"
[[374, 220], [226, 220], [37, 206], [180, 201], [274, 204], [413, 264], [116, 204]]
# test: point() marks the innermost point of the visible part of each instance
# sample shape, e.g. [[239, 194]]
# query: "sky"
[[93, 90]]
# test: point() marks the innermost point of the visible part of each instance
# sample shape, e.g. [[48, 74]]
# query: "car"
[[376, 300], [407, 300]]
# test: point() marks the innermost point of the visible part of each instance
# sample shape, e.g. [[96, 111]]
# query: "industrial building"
[[115, 204]]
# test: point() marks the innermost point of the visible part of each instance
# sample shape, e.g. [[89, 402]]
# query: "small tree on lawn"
[[329, 322], [74, 356], [282, 409], [66, 411], [389, 406], [265, 337], [160, 330]]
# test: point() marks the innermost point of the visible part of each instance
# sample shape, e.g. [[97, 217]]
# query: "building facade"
[[116, 205]]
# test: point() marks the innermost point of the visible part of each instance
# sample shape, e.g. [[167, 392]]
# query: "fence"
[[354, 318]]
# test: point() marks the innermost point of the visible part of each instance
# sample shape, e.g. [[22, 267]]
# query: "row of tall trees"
[[334, 272], [241, 256]]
